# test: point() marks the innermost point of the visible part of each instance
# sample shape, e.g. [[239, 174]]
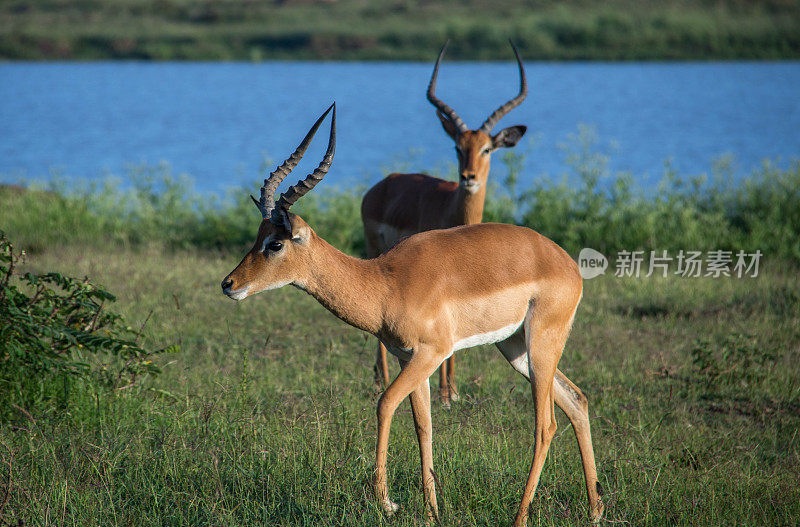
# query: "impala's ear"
[[258, 203], [508, 137], [299, 231], [447, 124]]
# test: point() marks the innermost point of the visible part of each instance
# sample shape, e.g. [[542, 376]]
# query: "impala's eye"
[[486, 151], [274, 246]]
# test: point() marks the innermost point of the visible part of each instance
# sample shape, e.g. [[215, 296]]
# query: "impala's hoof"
[[454, 396], [432, 516], [597, 513], [389, 507]]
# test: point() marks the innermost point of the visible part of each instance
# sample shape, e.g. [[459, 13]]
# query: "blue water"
[[217, 122]]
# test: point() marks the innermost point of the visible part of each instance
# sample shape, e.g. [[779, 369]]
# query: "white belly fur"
[[487, 338], [475, 340]]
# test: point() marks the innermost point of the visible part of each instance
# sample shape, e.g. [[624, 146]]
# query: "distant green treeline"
[[398, 29]]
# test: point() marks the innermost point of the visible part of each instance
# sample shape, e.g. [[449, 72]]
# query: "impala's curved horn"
[[438, 103], [498, 114], [266, 204], [302, 187]]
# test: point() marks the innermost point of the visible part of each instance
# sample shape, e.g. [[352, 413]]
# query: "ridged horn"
[[438, 103], [498, 114], [303, 186], [266, 204]]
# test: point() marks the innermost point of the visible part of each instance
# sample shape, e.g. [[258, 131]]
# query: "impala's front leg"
[[422, 364], [421, 409]]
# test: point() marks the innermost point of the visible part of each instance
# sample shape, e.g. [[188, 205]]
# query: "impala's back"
[[403, 204], [479, 279]]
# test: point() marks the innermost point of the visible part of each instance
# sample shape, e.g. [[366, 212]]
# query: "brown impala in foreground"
[[404, 204], [432, 294]]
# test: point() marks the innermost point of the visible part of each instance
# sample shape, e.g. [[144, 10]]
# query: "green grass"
[[266, 415], [399, 29]]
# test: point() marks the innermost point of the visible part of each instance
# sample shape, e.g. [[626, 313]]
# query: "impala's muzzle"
[[470, 182], [236, 294]]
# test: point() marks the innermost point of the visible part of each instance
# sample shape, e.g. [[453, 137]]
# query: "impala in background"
[[404, 204], [432, 294]]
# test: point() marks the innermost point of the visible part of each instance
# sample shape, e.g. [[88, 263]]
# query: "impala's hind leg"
[[542, 361], [573, 402], [447, 388], [444, 389], [451, 377], [381, 368]]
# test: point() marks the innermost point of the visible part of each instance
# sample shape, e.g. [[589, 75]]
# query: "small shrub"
[[55, 328]]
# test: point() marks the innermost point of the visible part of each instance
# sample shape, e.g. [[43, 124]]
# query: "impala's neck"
[[469, 207], [352, 289]]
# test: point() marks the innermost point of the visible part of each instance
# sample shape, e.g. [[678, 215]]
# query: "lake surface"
[[217, 122]]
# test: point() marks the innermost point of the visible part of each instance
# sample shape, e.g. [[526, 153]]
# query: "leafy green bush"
[[53, 330], [593, 207]]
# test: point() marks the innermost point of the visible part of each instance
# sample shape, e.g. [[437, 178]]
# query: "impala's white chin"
[[471, 188], [244, 292], [276, 285], [238, 294]]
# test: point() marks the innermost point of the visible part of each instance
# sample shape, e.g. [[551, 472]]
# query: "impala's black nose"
[[226, 284]]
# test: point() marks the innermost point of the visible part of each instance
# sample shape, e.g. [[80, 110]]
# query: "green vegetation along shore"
[[398, 29], [589, 206]]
